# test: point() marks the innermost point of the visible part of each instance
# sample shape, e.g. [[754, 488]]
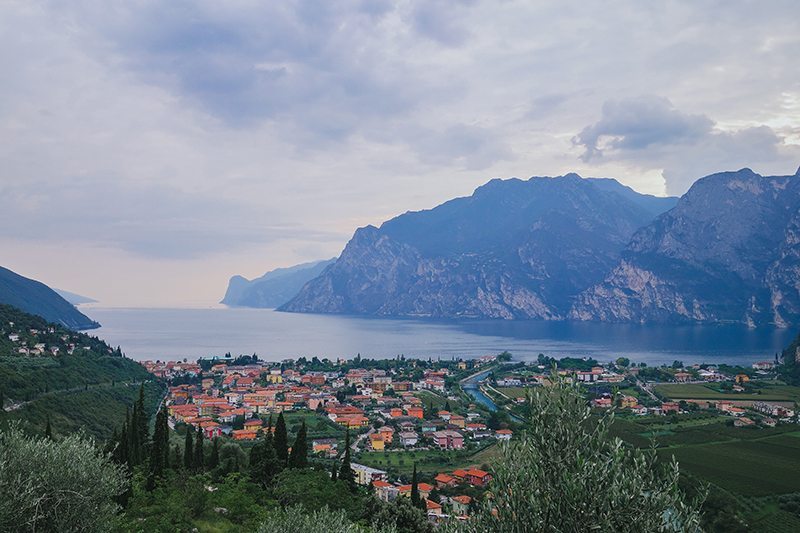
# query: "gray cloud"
[[217, 135], [651, 132]]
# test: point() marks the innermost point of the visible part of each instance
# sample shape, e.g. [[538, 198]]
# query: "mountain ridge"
[[274, 288], [36, 298], [500, 253]]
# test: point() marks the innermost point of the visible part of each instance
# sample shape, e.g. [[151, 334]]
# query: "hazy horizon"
[[152, 151]]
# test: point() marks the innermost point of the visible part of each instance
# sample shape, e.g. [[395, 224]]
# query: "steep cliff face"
[[274, 288], [728, 252], [514, 249]]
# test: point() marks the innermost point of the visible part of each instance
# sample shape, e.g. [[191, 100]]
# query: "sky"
[[150, 150]]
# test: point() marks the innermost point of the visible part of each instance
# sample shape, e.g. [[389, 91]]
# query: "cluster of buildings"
[[234, 400], [33, 342], [438, 508]]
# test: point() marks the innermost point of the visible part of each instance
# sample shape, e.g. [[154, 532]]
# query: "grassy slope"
[[98, 410]]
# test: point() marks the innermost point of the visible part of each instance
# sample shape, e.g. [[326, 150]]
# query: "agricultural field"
[[515, 392], [699, 391], [756, 467]]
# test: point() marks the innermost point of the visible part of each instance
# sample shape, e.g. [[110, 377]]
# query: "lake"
[[191, 333]]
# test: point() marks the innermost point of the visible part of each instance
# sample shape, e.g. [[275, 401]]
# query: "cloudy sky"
[[150, 150]]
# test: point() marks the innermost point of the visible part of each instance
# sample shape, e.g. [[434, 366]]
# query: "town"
[[445, 420]]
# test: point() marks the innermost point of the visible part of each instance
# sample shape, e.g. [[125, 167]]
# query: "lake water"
[[191, 333]]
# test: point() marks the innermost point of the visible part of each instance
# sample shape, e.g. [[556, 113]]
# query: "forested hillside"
[[76, 381]]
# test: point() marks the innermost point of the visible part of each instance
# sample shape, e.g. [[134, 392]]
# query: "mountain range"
[[513, 249], [36, 298], [274, 288], [569, 248], [728, 252]]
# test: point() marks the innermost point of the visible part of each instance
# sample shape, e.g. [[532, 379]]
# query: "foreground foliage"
[[567, 474], [56, 486]]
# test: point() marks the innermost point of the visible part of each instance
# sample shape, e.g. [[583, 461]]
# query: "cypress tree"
[[334, 470], [159, 451], [2, 402], [177, 460], [281, 440], [299, 457], [133, 437], [346, 473], [256, 462], [48, 431], [188, 452], [213, 461], [416, 501], [123, 451], [142, 423], [271, 466], [199, 457]]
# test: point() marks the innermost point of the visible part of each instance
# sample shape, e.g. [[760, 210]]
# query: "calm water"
[[191, 333]]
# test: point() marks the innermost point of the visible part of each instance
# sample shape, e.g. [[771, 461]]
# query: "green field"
[[428, 461], [697, 391], [515, 392], [318, 426], [756, 467]]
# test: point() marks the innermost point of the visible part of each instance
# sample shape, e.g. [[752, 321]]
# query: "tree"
[[299, 456], [346, 473], [623, 362], [142, 422], [213, 461], [281, 440], [188, 451], [297, 519], [334, 470], [549, 479], [64, 485], [159, 451], [177, 458], [416, 500], [199, 455], [400, 516], [48, 430]]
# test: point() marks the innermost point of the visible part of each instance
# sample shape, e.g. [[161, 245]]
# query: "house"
[[448, 439], [763, 365], [445, 480], [415, 412], [460, 505], [327, 446], [458, 421], [743, 422], [385, 491], [670, 407], [604, 403], [254, 424], [742, 378], [244, 434], [503, 434], [682, 377], [387, 433], [409, 438], [376, 442], [628, 401], [365, 475], [433, 508], [478, 478], [424, 490]]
